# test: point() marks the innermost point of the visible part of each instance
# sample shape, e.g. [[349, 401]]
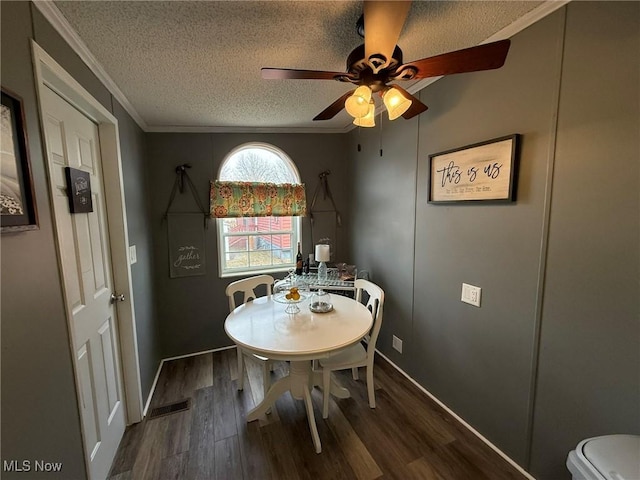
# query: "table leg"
[[299, 373], [312, 420], [277, 389], [297, 382], [335, 388]]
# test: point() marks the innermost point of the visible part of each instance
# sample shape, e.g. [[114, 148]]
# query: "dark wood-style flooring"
[[407, 435]]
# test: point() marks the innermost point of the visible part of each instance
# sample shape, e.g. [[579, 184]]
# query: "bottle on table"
[[305, 267], [299, 261]]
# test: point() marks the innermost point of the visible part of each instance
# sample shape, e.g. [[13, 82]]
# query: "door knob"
[[117, 298]]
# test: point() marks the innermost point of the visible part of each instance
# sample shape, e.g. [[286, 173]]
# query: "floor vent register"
[[170, 408]]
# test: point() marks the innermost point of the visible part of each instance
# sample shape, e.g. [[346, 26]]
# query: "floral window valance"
[[250, 199]]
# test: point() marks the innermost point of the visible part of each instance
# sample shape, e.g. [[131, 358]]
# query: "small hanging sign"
[[78, 190], [186, 245], [186, 231]]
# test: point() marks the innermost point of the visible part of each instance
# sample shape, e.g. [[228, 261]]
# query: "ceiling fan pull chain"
[[380, 135], [359, 133]]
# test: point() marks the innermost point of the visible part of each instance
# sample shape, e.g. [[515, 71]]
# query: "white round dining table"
[[263, 327]]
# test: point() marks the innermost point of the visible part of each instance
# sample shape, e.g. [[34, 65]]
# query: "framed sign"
[[186, 244], [17, 195], [78, 190], [480, 172]]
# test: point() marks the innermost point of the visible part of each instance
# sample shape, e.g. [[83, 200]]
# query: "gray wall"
[[589, 370], [488, 373], [383, 211], [552, 355], [39, 408], [192, 310]]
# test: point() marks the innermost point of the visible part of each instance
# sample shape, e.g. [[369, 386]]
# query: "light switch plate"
[[397, 344], [132, 255], [471, 294]]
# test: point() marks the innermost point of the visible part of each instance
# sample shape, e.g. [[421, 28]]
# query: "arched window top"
[[258, 162], [252, 245]]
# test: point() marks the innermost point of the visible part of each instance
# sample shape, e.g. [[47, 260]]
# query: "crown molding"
[[66, 31], [213, 129]]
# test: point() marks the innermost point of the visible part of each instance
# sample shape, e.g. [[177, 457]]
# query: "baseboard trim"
[[155, 380], [458, 418]]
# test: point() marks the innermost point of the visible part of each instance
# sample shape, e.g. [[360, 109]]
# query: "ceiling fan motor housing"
[[360, 72]]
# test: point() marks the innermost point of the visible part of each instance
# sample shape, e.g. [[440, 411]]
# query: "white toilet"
[[610, 457]]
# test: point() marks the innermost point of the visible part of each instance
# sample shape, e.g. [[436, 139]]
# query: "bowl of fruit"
[[291, 298]]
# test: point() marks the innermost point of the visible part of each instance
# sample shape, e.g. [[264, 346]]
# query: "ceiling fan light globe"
[[369, 119], [357, 105], [395, 102], [364, 122], [365, 92]]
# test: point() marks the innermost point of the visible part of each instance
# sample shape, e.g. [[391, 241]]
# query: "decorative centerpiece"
[[320, 302], [290, 292]]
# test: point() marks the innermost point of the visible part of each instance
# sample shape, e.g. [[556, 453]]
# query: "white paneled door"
[[72, 141]]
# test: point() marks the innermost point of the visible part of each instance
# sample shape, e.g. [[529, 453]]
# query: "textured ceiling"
[[197, 63]]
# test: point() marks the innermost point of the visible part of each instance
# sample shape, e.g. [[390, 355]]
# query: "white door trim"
[[48, 72]]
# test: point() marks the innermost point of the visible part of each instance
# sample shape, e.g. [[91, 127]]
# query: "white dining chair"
[[247, 287], [356, 355]]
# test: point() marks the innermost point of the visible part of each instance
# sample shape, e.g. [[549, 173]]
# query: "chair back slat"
[[375, 304], [247, 287]]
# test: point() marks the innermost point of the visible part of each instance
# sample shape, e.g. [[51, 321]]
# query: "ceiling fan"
[[377, 63]]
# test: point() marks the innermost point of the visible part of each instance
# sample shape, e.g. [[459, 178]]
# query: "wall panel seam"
[[544, 242], [415, 227]]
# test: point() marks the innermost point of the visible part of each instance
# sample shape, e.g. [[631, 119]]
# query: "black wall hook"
[[181, 171]]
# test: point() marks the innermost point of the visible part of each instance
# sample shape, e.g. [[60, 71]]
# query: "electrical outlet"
[[397, 344], [133, 258], [471, 294]]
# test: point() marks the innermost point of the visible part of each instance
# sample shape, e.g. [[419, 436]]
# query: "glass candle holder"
[[321, 302]]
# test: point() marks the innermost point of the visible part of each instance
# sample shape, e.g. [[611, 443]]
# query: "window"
[[257, 244]]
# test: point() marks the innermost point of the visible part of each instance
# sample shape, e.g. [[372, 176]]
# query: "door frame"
[[49, 74]]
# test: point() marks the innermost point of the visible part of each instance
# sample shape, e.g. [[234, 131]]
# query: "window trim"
[[296, 230], [236, 272]]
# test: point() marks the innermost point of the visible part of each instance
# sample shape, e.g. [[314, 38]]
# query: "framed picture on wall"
[[483, 171], [17, 197]]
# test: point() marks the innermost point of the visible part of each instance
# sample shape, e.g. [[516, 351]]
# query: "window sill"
[[251, 273]]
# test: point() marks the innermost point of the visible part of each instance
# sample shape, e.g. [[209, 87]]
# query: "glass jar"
[[321, 302]]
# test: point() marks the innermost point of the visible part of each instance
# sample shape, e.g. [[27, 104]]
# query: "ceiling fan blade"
[[383, 22], [292, 74], [416, 108], [482, 57], [334, 108]]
